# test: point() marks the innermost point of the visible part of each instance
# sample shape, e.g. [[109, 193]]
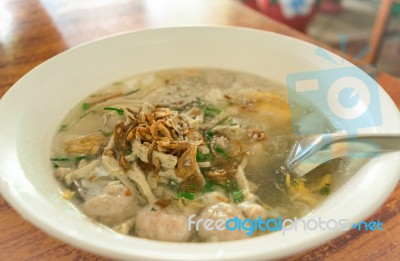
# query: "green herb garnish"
[[72, 159], [153, 209], [85, 106], [324, 191], [230, 186], [55, 165], [208, 187], [186, 195], [63, 127], [221, 152], [237, 196], [209, 135], [211, 112], [119, 111], [200, 157]]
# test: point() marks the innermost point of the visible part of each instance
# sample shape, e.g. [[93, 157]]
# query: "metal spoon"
[[311, 151]]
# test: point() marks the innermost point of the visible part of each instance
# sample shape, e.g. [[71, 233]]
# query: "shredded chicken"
[[114, 170], [141, 151], [241, 176], [243, 182], [137, 175], [82, 172]]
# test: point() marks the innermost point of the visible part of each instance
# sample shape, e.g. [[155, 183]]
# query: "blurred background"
[[371, 24]]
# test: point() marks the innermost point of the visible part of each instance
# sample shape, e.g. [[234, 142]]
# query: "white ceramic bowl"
[[33, 108]]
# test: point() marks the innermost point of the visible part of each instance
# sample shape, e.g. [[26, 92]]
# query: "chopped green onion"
[[231, 185], [209, 135], [185, 194], [324, 191], [72, 159], [119, 111], [85, 106], [208, 187], [211, 112], [63, 127], [221, 152], [237, 196], [200, 157], [153, 209], [55, 165]]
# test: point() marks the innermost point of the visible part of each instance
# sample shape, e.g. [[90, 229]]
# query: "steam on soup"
[[143, 154]]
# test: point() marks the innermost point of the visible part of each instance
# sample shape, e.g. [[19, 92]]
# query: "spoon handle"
[[373, 142], [313, 151]]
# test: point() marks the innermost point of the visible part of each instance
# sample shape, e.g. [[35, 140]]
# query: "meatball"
[[115, 205], [153, 222], [221, 211], [253, 210]]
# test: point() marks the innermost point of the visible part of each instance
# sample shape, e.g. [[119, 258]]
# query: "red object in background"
[[299, 22], [252, 4], [330, 6]]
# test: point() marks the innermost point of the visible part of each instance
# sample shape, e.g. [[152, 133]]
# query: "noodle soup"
[[144, 154]]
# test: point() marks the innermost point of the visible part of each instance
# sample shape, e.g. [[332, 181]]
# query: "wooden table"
[[33, 31]]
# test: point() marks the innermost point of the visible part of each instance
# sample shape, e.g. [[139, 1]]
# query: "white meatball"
[[211, 198], [159, 224], [113, 206], [221, 211], [252, 210]]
